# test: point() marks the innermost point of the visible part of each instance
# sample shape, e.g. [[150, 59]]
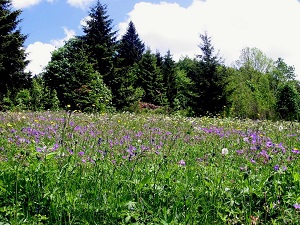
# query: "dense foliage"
[[98, 72], [12, 53]]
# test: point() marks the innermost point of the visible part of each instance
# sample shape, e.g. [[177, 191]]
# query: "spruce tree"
[[12, 53], [150, 79], [169, 77], [131, 48], [123, 86], [209, 80], [100, 40]]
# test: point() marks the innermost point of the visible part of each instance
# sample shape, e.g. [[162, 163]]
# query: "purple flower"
[[296, 151], [182, 163], [252, 160], [81, 153], [297, 206], [276, 167]]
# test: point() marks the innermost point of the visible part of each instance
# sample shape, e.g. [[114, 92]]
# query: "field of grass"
[[73, 168]]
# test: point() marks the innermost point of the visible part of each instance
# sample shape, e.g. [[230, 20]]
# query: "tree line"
[[96, 72]]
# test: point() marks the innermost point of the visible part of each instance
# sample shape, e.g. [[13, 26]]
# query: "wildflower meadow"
[[74, 168]]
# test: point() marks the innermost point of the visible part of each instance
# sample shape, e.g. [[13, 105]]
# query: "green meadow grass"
[[73, 168]]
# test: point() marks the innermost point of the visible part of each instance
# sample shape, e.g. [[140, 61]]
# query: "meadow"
[[73, 168]]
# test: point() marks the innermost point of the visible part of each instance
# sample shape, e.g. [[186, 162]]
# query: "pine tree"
[[100, 40], [169, 77], [123, 86], [150, 80], [131, 48], [209, 80], [12, 53]]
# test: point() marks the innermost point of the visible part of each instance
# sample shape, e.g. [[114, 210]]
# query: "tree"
[[253, 58], [100, 41], [123, 84], [288, 101], [209, 80], [169, 78], [249, 94], [76, 82], [150, 79], [131, 48], [12, 53]]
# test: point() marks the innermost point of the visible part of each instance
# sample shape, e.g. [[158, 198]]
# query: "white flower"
[[224, 151], [280, 128]]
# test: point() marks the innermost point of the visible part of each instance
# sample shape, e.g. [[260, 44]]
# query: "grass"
[[73, 168]]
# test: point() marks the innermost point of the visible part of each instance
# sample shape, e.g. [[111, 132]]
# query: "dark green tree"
[[123, 84], [12, 52], [131, 48], [169, 78], [150, 79], [288, 101], [209, 80], [100, 40], [76, 82]]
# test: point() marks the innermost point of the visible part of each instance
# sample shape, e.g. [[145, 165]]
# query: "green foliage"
[[208, 79], [73, 78], [100, 41], [131, 48], [249, 94], [288, 101], [12, 52], [254, 59], [150, 79]]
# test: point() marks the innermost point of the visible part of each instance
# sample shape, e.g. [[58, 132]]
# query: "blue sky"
[[175, 25]]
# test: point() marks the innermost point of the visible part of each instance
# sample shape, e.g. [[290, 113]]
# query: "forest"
[[99, 72]]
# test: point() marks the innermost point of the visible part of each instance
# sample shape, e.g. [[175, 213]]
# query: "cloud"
[[83, 21], [24, 4], [270, 25], [60, 42], [39, 55], [20, 4], [83, 4]]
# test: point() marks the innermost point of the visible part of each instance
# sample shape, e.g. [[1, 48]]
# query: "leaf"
[[50, 155]]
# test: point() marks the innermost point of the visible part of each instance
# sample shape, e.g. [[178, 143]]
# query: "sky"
[[175, 25]]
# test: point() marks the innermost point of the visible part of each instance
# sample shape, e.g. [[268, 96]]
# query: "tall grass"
[[71, 168]]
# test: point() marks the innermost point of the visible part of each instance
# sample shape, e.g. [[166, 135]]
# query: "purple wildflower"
[[276, 167], [252, 160], [182, 163], [296, 151], [297, 206], [81, 153]]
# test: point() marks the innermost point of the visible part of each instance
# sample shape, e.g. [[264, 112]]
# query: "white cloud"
[[39, 55], [60, 42], [83, 4], [270, 25], [24, 4], [83, 21], [20, 4]]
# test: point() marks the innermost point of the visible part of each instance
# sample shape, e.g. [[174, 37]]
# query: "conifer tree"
[[209, 81], [12, 53], [169, 77], [150, 80], [131, 48], [123, 86], [100, 40]]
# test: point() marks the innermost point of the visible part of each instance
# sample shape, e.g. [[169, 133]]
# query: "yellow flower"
[[68, 106], [9, 125]]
